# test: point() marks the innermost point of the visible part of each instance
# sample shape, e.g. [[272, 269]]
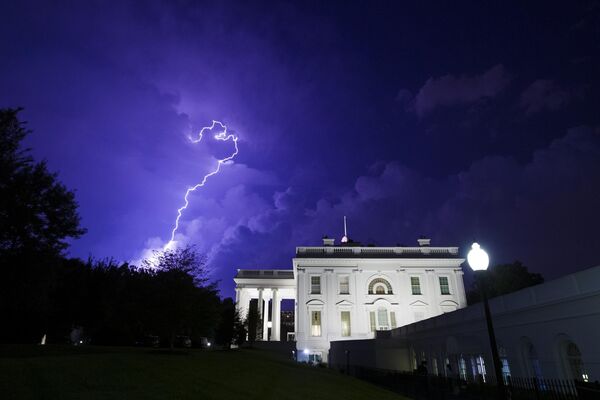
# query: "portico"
[[267, 286]]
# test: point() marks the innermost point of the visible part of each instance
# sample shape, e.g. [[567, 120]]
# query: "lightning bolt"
[[222, 135]]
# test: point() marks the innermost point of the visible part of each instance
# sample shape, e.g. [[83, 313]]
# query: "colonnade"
[[265, 295]]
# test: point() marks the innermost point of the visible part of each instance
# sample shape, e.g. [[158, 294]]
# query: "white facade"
[[348, 292], [547, 331]]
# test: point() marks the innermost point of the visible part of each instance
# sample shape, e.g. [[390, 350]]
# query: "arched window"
[[575, 362], [572, 361], [380, 286], [531, 360], [504, 362]]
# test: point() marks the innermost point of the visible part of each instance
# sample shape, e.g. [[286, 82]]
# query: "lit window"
[[344, 285], [444, 287], [504, 362], [415, 285], [345, 323], [462, 368], [380, 286], [315, 323], [480, 367], [434, 365], [315, 285]]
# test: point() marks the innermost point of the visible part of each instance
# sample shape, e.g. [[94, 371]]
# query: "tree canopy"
[[37, 212], [503, 279]]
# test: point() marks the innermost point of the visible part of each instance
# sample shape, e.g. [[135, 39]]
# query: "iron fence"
[[439, 387]]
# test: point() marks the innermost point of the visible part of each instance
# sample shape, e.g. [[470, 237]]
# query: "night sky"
[[458, 122]]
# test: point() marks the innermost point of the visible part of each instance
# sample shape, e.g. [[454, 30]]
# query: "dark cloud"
[[546, 95], [519, 210], [450, 90], [112, 94]]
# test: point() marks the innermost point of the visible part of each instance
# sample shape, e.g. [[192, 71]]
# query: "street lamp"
[[479, 262]]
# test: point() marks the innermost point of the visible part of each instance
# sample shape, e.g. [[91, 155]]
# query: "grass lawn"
[[60, 372]]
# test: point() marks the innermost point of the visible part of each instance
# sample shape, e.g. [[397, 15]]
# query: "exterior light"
[[306, 351], [478, 258], [208, 344], [479, 262]]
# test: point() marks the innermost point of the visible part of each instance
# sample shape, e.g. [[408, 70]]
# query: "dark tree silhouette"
[[183, 300], [228, 324], [504, 279], [37, 212]]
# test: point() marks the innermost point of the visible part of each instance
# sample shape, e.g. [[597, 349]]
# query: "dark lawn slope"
[[56, 372]]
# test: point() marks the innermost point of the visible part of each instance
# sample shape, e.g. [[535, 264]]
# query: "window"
[[382, 319], [504, 362], [346, 323], [444, 287], [419, 316], [415, 285], [462, 368], [575, 362], [315, 323], [344, 285], [480, 367], [315, 285], [380, 286], [372, 320], [434, 365], [315, 358], [393, 319]]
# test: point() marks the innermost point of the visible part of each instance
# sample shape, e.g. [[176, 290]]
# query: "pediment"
[[315, 302], [382, 300], [449, 303], [418, 303], [344, 303]]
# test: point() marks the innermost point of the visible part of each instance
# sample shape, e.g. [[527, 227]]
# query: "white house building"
[[349, 291]]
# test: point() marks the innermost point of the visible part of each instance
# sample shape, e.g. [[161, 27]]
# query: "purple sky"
[[451, 121]]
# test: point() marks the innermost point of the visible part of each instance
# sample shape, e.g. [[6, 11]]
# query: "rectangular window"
[[419, 316], [372, 319], [393, 319], [345, 323], [344, 285], [462, 369], [444, 286], [315, 285], [382, 318], [415, 285], [315, 323]]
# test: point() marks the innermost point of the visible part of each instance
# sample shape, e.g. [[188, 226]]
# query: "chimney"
[[424, 242], [327, 241]]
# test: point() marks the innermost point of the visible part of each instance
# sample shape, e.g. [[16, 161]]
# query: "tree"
[[251, 323], [183, 300], [504, 279], [37, 212], [230, 325]]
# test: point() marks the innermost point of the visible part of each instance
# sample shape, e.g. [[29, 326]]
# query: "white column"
[[460, 288], [242, 302], [259, 307], [265, 335], [275, 316]]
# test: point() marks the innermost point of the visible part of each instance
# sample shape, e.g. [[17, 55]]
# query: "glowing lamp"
[[478, 258], [306, 351]]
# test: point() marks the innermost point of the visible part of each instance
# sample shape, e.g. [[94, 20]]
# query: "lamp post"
[[479, 261]]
